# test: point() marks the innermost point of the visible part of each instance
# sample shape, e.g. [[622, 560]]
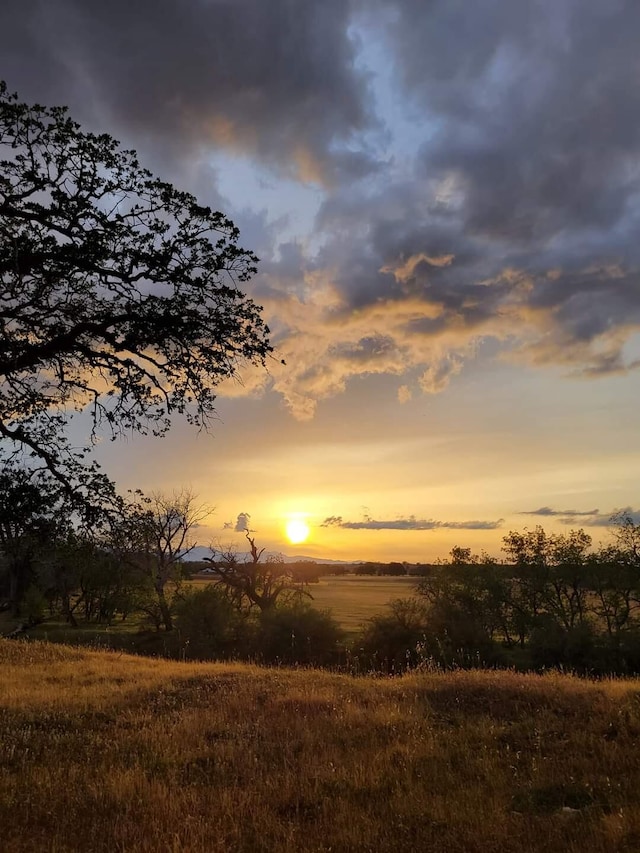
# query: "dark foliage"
[[299, 634], [118, 292], [209, 626]]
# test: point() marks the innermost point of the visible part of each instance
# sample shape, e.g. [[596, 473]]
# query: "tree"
[[154, 535], [469, 603], [615, 578], [551, 578], [33, 516], [252, 584], [627, 539], [529, 552], [119, 294], [393, 569], [569, 578], [81, 578]]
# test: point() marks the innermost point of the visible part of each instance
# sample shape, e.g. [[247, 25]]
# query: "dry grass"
[[352, 599], [106, 752]]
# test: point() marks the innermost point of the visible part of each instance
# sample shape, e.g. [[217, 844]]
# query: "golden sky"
[[487, 449]]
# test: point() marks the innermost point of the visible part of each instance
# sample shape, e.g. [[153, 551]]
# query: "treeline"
[[393, 569], [302, 571], [554, 601], [308, 571]]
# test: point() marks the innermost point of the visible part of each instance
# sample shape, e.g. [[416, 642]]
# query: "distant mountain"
[[301, 558], [200, 552], [197, 554]]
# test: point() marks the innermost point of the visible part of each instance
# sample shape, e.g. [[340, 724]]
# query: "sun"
[[297, 531]]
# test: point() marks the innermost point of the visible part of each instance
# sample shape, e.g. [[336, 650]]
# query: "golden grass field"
[[352, 599], [101, 751]]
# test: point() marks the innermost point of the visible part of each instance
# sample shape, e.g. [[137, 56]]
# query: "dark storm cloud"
[[411, 523], [536, 105], [517, 220], [276, 80]]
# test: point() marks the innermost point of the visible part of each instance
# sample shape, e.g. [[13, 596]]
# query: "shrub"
[[456, 636], [394, 641], [34, 605], [208, 625], [299, 634]]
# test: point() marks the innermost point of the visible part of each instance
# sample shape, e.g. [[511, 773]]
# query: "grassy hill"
[[101, 751]]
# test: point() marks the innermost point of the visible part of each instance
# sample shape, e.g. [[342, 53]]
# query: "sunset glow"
[[297, 531]]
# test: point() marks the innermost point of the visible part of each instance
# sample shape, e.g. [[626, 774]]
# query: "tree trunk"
[[165, 610]]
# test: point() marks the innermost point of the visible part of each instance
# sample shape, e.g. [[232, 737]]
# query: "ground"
[[102, 751]]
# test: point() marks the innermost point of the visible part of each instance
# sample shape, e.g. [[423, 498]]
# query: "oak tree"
[[119, 294], [34, 515]]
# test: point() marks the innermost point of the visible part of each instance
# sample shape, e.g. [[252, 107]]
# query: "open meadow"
[[352, 599], [101, 751]]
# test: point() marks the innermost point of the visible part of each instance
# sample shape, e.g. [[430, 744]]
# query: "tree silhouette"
[[33, 516], [154, 535], [251, 583], [119, 293]]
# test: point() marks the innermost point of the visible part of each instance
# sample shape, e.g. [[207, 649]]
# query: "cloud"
[[533, 149], [411, 523], [347, 318], [587, 518], [513, 218], [404, 271], [276, 81], [241, 524], [404, 394], [549, 512]]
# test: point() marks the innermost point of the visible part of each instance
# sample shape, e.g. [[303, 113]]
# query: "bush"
[[299, 634], [394, 641], [34, 605], [413, 633], [457, 637], [627, 652], [208, 625]]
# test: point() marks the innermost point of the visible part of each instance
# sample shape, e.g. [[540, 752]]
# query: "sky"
[[445, 198]]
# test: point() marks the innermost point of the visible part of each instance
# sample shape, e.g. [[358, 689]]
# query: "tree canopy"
[[119, 293]]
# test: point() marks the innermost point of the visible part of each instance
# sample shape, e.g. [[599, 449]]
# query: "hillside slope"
[[106, 752]]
